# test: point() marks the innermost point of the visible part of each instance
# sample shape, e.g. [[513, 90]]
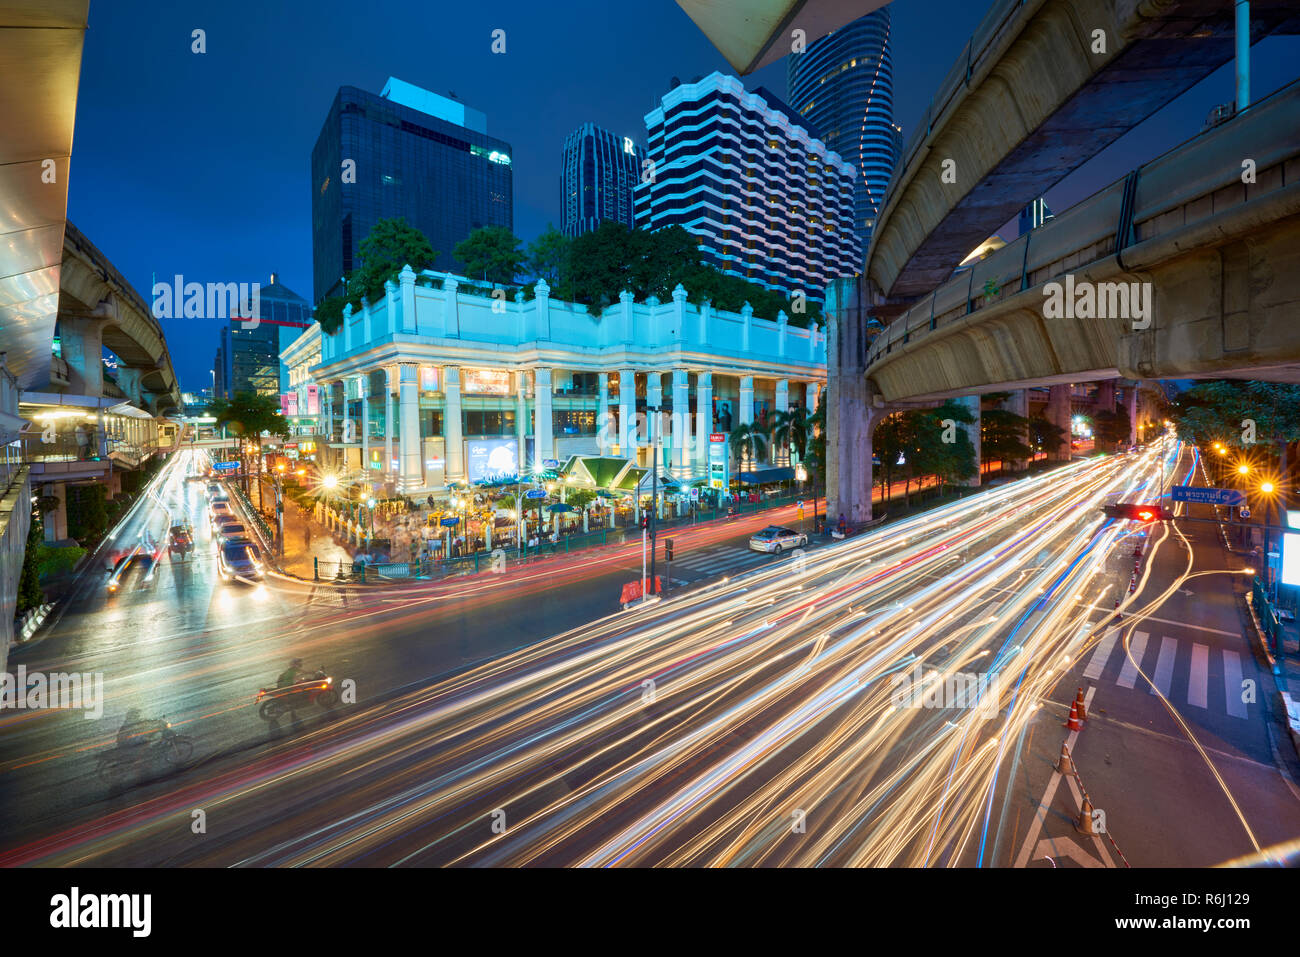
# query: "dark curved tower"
[[844, 85]]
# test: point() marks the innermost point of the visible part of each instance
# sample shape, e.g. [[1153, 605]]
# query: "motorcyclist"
[[291, 675], [135, 732]]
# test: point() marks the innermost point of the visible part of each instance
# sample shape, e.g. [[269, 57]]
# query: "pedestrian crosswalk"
[[1165, 664], [724, 559]]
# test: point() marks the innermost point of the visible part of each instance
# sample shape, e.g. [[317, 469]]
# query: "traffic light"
[[1146, 514], [668, 549], [645, 522]]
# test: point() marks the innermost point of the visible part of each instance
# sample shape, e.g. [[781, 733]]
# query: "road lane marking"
[[1232, 684], [1165, 666], [1198, 680], [1137, 648], [1097, 663]]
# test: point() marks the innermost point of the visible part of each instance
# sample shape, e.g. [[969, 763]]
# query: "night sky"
[[200, 164]]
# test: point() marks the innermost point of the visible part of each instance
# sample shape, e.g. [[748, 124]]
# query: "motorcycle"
[[175, 749], [318, 689]]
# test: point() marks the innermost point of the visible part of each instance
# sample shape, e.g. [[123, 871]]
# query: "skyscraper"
[[754, 182], [844, 85], [599, 175], [248, 359], [410, 153]]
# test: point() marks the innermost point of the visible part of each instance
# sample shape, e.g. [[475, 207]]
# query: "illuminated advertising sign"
[[492, 458], [289, 403], [313, 400], [1291, 551], [428, 379], [485, 382], [719, 476]]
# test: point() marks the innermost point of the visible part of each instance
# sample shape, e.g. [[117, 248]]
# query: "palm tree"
[[748, 442], [789, 430]]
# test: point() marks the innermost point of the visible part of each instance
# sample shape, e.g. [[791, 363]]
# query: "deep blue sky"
[[200, 165]]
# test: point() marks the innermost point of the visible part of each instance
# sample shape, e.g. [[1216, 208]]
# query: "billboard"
[[485, 382], [289, 404], [313, 400], [1291, 551], [490, 458]]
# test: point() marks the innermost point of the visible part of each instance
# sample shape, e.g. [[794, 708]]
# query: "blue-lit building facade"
[[740, 170], [598, 178], [415, 154], [844, 85]]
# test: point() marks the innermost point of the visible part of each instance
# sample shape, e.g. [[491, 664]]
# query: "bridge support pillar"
[[850, 414], [1017, 403], [81, 341], [1058, 413], [1105, 400], [972, 404], [56, 520], [1131, 406]]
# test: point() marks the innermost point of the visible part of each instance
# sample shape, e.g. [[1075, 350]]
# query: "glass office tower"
[[598, 179], [844, 85], [413, 154]]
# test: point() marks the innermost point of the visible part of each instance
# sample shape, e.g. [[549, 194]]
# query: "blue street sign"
[[1207, 496], [225, 465], [535, 493], [551, 463], [450, 521]]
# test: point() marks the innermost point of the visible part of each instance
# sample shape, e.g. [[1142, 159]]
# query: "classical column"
[[627, 413], [454, 439], [681, 419], [543, 421], [654, 401], [521, 419], [363, 391], [703, 415], [603, 431], [783, 395], [1058, 413], [389, 384], [746, 410], [409, 445]]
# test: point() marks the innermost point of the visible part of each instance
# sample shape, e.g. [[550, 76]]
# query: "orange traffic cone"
[[1080, 706], [1083, 823], [1063, 764], [1073, 722]]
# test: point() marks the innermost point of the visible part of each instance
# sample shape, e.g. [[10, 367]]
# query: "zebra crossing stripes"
[[1232, 684], [1137, 646], [1198, 679], [718, 559], [1161, 671], [1164, 666]]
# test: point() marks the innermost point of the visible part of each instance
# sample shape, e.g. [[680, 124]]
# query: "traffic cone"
[[1080, 706], [1083, 823], [1073, 722], [1063, 764]]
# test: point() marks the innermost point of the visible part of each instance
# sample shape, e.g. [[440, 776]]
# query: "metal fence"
[[1267, 615], [511, 554]]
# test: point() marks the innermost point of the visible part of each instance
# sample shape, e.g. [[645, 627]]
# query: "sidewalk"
[[305, 541]]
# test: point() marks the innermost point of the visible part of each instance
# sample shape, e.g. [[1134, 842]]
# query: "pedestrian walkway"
[[1213, 675], [305, 541]]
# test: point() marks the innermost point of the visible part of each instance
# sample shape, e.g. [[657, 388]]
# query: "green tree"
[[247, 415], [789, 431], [1110, 428], [1046, 436], [391, 245], [29, 579], [87, 511], [1002, 437], [943, 450], [748, 443], [548, 258], [492, 253]]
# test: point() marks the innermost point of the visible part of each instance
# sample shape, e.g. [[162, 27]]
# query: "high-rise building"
[[844, 85], [754, 182], [1033, 216], [599, 176], [410, 153], [248, 356]]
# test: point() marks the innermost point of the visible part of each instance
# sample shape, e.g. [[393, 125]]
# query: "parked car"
[[240, 560], [232, 531], [776, 539]]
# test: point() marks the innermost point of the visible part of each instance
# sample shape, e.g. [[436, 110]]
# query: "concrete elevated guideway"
[[1034, 96], [1220, 257]]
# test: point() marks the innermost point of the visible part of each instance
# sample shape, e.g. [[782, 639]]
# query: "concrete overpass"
[[1037, 92], [97, 308], [1221, 257]]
